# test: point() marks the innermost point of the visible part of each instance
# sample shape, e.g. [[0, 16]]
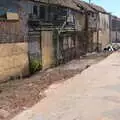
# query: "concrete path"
[[92, 95]]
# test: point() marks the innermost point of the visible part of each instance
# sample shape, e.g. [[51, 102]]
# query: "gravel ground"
[[19, 95]]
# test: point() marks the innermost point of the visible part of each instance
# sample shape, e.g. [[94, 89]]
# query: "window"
[[35, 10], [93, 15], [2, 13], [68, 42], [42, 12], [39, 11], [73, 41], [107, 26], [65, 43]]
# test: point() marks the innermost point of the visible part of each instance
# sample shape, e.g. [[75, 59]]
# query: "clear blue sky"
[[112, 6]]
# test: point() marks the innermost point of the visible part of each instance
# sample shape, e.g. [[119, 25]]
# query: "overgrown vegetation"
[[35, 65]]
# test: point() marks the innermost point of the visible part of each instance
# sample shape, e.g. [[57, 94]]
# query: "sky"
[[112, 6]]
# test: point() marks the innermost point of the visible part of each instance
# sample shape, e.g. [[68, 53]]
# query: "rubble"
[[4, 114]]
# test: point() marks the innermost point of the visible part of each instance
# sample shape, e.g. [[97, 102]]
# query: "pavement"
[[92, 95]]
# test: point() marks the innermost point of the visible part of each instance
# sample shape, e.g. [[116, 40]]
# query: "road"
[[92, 95]]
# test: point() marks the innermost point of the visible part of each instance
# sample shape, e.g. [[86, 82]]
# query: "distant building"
[[102, 35], [115, 27], [46, 33]]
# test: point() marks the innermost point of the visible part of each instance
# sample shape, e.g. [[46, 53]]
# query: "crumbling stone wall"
[[13, 60]]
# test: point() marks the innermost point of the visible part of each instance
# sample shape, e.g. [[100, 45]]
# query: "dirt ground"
[[19, 95]]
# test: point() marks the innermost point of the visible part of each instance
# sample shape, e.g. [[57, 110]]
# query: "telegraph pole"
[[89, 1]]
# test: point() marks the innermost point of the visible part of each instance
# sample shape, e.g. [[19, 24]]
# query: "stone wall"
[[79, 21], [104, 38], [13, 60], [104, 33]]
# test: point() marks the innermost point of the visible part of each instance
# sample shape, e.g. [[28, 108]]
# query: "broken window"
[[70, 16], [42, 12], [35, 10], [58, 14], [52, 12]]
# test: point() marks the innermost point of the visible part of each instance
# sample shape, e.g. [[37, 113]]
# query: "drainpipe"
[[58, 48], [110, 28], [98, 26], [116, 36], [48, 10], [58, 39], [116, 28], [86, 30]]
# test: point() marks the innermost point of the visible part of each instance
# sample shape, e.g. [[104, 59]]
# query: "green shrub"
[[35, 65]]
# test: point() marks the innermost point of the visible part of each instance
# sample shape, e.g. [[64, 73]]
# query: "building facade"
[[69, 22], [51, 32], [102, 35], [13, 45], [115, 29]]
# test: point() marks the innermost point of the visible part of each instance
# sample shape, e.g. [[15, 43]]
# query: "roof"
[[66, 3], [74, 4], [98, 8], [85, 5], [115, 18]]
